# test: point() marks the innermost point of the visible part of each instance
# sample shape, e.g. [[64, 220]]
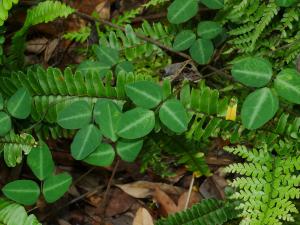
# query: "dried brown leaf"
[[143, 217]]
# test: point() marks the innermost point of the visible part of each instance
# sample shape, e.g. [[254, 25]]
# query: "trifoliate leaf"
[[209, 29], [202, 51], [258, 108], [252, 71], [106, 55], [19, 105], [5, 123], [129, 150], [184, 40], [125, 66], [104, 155], [213, 4], [92, 67], [181, 11], [145, 94]]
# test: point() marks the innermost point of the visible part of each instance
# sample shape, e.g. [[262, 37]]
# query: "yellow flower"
[[231, 110]]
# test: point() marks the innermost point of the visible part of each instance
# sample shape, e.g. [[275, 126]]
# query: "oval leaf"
[[173, 115], [252, 71], [85, 142], [181, 11], [287, 85], [40, 162], [129, 150], [104, 155], [75, 116], [91, 66], [213, 4], [202, 51], [144, 93], [184, 40], [209, 29], [107, 56], [56, 186], [107, 116], [285, 3], [25, 192], [5, 123], [125, 66], [19, 105], [258, 108], [136, 123]]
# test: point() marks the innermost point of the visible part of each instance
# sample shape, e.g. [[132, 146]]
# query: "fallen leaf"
[[143, 217], [36, 45], [194, 198], [63, 222], [50, 49], [103, 9], [167, 205]]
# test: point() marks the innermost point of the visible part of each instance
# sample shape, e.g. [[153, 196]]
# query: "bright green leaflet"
[[125, 66], [104, 155], [106, 55], [25, 192], [285, 3], [40, 162], [136, 123], [93, 67], [19, 105], [287, 85], [209, 29], [5, 123], [213, 4], [258, 108], [173, 115], [184, 40], [145, 94], [75, 116], [202, 51], [252, 71], [129, 150], [56, 186], [107, 115], [85, 142], [181, 11], [1, 102]]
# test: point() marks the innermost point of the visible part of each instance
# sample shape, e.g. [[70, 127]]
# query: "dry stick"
[[106, 194], [189, 193]]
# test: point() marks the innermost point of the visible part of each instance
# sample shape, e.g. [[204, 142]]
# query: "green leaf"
[[252, 71], [145, 94], [40, 162], [56, 186], [107, 115], [202, 51], [136, 123], [5, 123], [129, 150], [85, 142], [19, 105], [258, 108], [173, 115], [1, 102], [125, 66], [91, 66], [209, 29], [285, 3], [75, 116], [213, 4], [287, 85], [184, 40], [104, 155], [181, 11], [106, 55], [25, 192]]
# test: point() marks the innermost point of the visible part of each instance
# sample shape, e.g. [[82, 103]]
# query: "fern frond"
[[5, 6], [79, 36], [208, 211], [14, 214]]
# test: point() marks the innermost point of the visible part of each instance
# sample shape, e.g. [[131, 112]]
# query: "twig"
[[189, 193]]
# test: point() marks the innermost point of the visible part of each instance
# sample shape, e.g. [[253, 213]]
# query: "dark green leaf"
[[25, 192], [106, 55], [40, 162], [1, 102], [184, 40], [202, 51], [19, 105], [104, 155], [129, 150], [5, 123], [213, 4], [107, 115], [93, 67], [125, 66], [136, 123], [56, 186], [181, 11], [287, 85], [144, 93], [173, 115], [252, 71], [75, 116], [85, 142], [258, 108], [209, 29], [285, 3]]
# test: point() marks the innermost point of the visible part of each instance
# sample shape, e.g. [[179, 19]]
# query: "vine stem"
[[141, 36]]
